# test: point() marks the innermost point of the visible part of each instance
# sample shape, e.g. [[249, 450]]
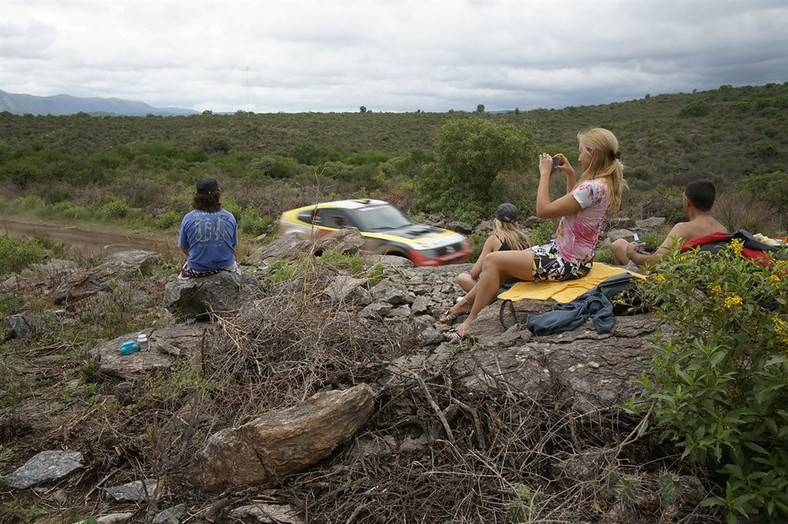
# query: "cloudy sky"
[[396, 55]]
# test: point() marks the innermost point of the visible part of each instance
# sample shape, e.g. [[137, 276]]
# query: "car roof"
[[350, 204]]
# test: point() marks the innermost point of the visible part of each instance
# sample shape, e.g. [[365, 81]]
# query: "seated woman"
[[506, 236], [581, 210], [208, 234]]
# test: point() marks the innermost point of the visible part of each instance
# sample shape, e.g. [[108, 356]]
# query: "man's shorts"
[[548, 265]]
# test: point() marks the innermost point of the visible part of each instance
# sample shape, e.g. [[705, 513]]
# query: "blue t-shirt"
[[211, 239]]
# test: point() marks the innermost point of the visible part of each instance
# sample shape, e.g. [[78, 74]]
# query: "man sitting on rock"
[[698, 200]]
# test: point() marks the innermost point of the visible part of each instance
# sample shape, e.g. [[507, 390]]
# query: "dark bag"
[[622, 290]]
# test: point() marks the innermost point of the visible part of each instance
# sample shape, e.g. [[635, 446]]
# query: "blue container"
[[129, 347]]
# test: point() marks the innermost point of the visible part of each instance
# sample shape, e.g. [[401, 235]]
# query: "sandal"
[[449, 316], [452, 337]]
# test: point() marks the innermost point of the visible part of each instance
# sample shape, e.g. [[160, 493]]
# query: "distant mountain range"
[[20, 104]]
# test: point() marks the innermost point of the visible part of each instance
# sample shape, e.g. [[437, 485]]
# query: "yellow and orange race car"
[[386, 230]]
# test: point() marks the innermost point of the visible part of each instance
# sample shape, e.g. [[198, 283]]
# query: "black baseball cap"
[[207, 186], [506, 212]]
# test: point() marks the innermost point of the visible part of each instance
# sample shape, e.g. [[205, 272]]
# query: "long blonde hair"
[[511, 234], [605, 163]]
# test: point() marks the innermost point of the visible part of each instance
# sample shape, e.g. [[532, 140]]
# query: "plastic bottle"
[[143, 342], [636, 240]]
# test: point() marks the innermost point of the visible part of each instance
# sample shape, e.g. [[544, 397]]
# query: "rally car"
[[386, 230]]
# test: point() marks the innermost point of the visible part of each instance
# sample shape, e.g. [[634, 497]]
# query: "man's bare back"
[[699, 227]]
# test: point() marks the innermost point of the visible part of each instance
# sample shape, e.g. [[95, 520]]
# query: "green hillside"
[[735, 137]]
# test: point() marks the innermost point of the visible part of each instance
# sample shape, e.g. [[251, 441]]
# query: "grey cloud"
[[398, 56]]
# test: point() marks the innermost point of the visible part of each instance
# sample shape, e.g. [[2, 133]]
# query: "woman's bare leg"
[[466, 282], [497, 265]]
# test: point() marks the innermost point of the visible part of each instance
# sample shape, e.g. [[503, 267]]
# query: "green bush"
[[168, 220], [695, 108], [17, 253], [720, 380], [250, 223]]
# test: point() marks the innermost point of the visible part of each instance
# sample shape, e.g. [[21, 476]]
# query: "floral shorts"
[[548, 265]]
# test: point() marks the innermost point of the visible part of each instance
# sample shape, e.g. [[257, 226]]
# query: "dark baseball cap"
[[506, 212], [207, 186]]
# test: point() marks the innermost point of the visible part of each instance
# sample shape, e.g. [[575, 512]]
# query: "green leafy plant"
[[524, 506], [18, 511], [17, 253], [720, 381], [172, 389]]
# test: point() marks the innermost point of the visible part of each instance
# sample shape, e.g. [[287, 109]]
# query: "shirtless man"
[[698, 199]]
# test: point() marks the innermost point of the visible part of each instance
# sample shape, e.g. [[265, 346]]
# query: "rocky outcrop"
[[589, 371], [82, 285]]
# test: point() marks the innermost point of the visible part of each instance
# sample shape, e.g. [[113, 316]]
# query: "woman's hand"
[[564, 165], [545, 165]]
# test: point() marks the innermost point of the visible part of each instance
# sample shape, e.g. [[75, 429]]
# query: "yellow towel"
[[564, 291]]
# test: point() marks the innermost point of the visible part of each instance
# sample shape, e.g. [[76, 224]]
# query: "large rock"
[[43, 467], [123, 265], [22, 326], [166, 344], [651, 223], [615, 234], [221, 294], [282, 442], [345, 240]]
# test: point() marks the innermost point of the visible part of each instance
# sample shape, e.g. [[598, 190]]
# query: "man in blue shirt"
[[208, 234]]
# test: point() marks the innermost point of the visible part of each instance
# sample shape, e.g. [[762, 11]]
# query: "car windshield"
[[378, 218]]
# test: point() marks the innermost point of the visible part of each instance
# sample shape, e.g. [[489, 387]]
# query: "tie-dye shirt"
[[577, 234]]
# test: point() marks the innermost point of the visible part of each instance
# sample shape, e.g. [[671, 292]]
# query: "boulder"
[[282, 442], [615, 234], [266, 513], [459, 227], [221, 294], [22, 326], [345, 240], [166, 344], [43, 467], [344, 288], [652, 223], [621, 223], [135, 491]]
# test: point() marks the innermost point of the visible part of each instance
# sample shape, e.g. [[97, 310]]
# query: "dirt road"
[[91, 238]]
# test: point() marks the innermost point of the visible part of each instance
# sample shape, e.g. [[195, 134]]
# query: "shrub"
[[695, 108], [744, 210], [17, 253], [168, 220], [250, 222], [720, 380]]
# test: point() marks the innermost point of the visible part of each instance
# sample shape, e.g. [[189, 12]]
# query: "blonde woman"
[[506, 236], [581, 210]]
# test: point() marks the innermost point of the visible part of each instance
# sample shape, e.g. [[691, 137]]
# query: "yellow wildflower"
[[715, 289], [733, 300], [781, 328], [659, 277], [736, 246], [775, 280]]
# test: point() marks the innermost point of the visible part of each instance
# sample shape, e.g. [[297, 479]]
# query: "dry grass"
[[743, 210], [434, 451]]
